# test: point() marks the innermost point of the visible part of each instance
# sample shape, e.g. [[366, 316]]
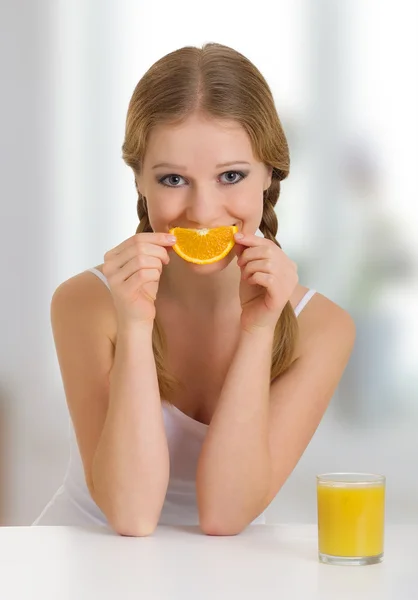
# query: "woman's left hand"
[[268, 279]]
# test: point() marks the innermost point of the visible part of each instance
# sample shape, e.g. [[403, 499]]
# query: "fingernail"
[[239, 236], [171, 238]]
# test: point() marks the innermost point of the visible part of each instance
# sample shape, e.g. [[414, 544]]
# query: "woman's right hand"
[[133, 270]]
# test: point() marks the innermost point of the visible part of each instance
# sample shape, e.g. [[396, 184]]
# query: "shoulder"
[[324, 345], [88, 299], [324, 323]]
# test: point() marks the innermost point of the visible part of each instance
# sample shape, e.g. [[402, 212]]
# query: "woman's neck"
[[203, 292]]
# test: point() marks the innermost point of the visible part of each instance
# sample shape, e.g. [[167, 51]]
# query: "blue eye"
[[174, 180], [234, 174]]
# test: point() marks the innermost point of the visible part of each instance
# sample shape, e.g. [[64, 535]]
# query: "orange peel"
[[204, 246]]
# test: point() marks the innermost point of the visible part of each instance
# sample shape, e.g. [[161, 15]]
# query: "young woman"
[[193, 390]]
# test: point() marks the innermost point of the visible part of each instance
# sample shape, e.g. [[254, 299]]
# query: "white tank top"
[[73, 505]]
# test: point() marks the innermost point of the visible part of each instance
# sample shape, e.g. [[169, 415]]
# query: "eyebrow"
[[183, 168]]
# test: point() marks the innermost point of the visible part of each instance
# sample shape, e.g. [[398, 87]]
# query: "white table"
[[263, 562]]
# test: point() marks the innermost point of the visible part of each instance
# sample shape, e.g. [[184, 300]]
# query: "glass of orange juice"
[[351, 516]]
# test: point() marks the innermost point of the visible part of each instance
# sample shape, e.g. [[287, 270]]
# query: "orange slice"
[[204, 246]]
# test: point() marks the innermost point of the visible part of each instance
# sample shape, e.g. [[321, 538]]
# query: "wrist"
[[134, 329], [255, 332]]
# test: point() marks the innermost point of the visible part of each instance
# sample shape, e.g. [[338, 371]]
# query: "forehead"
[[199, 139]]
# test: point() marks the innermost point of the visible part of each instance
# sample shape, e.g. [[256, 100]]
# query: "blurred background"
[[345, 80]]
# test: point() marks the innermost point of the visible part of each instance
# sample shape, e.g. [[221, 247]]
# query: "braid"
[[286, 331], [269, 224]]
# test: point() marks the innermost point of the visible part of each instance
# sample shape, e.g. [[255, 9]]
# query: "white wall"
[[68, 72]]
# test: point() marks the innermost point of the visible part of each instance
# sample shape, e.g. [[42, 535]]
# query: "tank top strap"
[[304, 301], [100, 275]]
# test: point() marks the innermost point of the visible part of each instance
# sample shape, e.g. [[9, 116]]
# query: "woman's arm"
[[258, 433], [130, 468], [114, 402], [234, 467]]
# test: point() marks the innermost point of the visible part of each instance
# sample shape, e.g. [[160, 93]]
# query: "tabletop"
[[262, 562]]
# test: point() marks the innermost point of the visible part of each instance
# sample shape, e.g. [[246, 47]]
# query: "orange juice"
[[351, 517]]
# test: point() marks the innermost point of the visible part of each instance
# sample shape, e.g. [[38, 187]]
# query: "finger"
[[263, 266], [136, 264], [116, 262], [142, 248], [250, 239], [145, 276], [147, 280], [160, 239], [239, 250], [257, 252], [265, 280]]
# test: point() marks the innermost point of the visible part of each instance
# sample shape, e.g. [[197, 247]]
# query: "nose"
[[204, 207]]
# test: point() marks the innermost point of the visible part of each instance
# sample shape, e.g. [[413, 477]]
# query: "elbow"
[[128, 525], [120, 522], [228, 522], [133, 528], [132, 524], [214, 526]]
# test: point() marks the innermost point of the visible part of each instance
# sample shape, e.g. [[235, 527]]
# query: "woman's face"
[[202, 174]]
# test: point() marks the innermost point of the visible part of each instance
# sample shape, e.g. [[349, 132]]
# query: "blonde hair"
[[217, 81]]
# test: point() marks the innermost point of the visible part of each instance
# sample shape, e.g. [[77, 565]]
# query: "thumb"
[[239, 249]]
